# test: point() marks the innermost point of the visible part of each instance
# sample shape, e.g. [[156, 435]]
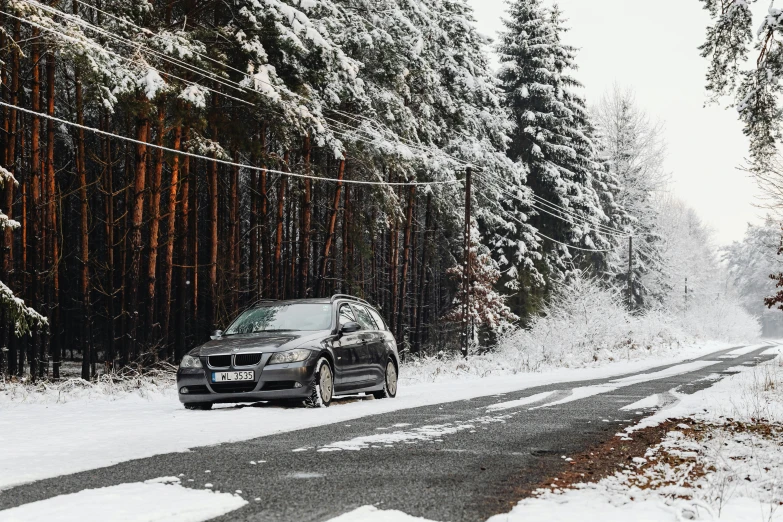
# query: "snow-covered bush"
[[586, 324]]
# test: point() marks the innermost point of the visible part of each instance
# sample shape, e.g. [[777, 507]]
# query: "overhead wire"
[[580, 220], [226, 162], [539, 233], [137, 45], [95, 45]]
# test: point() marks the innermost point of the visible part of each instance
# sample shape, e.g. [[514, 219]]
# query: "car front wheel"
[[322, 387], [389, 382]]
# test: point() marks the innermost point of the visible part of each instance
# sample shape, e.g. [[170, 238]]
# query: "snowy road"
[[455, 461]]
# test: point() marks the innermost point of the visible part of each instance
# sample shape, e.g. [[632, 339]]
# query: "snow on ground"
[[124, 426], [162, 499], [373, 514], [727, 464]]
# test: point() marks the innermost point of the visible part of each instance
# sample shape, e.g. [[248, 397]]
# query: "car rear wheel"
[[389, 382], [198, 406], [322, 387]]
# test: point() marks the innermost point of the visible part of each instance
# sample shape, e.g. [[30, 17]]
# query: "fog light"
[[298, 385], [183, 390]]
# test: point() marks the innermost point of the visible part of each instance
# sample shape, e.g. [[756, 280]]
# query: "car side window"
[[364, 317], [378, 320], [346, 315]]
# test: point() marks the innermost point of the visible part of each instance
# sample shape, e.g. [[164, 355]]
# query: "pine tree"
[[552, 133], [631, 151]]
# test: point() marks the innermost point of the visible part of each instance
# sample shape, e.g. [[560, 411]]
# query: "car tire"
[[322, 387], [198, 406], [389, 390]]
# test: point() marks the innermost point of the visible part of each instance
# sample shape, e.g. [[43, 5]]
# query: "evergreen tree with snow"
[[552, 136], [631, 151]]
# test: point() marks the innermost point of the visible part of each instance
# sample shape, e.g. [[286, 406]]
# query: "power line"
[[90, 43], [563, 210], [537, 232], [579, 219], [136, 45], [343, 134], [226, 81], [226, 162], [572, 246]]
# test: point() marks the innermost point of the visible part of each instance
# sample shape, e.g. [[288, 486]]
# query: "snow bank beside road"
[[724, 463], [162, 500], [116, 429]]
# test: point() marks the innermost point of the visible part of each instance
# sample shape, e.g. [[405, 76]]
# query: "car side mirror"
[[350, 327], [217, 334]]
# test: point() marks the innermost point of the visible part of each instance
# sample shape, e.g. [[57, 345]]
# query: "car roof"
[[309, 300]]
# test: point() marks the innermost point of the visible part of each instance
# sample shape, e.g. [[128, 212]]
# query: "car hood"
[[263, 341]]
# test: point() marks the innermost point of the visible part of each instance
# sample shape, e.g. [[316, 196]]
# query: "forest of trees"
[[166, 163]]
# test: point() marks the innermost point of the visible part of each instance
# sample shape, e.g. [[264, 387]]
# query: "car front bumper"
[[279, 381]]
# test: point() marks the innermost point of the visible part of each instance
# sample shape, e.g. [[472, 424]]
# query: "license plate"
[[232, 376]]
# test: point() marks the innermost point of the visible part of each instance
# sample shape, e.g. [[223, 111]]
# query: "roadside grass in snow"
[[150, 383]]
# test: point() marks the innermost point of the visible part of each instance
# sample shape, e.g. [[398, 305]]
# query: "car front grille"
[[247, 359], [219, 361], [234, 387]]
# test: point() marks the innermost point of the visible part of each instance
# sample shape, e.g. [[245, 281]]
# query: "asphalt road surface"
[[457, 461]]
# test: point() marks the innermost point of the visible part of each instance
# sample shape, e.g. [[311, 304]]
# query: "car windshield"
[[303, 316]]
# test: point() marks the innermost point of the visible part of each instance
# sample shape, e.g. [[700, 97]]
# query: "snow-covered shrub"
[[585, 324]]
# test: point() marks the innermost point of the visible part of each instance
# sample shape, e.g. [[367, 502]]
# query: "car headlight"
[[291, 356], [189, 361]]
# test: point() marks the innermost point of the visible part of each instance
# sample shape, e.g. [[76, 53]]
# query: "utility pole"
[[686, 293], [466, 272], [630, 273]]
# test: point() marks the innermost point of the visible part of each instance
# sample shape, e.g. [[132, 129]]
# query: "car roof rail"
[[348, 298]]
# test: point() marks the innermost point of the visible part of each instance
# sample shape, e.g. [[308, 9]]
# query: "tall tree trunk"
[[405, 260], [331, 227], [8, 190], [346, 226], [291, 285], [279, 236], [253, 274], [27, 286], [84, 273], [125, 322], [212, 306], [307, 196], [152, 268], [194, 246], [233, 237], [185, 300], [265, 239], [393, 279], [111, 313], [137, 216], [425, 247], [35, 189], [54, 241], [168, 255]]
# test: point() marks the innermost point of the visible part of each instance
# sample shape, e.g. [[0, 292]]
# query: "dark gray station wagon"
[[307, 350]]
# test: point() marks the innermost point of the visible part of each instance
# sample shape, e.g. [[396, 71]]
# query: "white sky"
[[652, 48]]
